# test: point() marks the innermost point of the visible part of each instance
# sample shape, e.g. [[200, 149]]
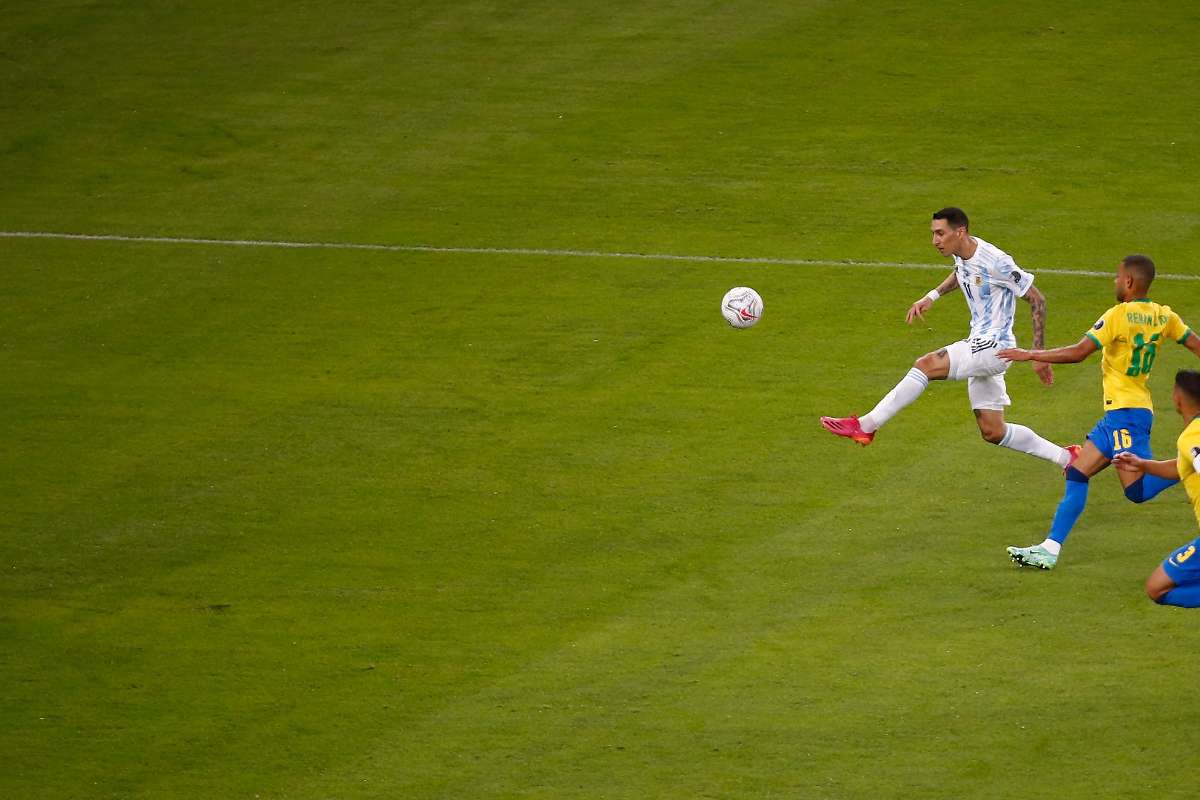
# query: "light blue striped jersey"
[[991, 281]]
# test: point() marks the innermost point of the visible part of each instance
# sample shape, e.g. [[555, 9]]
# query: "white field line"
[[536, 251]]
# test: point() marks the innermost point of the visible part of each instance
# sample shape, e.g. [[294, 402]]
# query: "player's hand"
[[918, 309], [1045, 372], [1015, 354], [1128, 462]]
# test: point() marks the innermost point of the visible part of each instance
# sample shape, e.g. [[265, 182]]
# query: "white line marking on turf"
[[534, 251]]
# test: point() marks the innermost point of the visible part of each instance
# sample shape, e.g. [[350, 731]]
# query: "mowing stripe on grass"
[[534, 251]]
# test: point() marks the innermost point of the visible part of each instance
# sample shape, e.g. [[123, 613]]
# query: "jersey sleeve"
[[1006, 273], [1189, 453], [1176, 328], [1106, 330]]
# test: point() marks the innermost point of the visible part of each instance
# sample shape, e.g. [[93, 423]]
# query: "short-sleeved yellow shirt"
[[1189, 453], [1129, 334]]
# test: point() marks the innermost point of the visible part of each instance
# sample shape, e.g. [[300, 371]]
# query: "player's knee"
[[1156, 591], [1075, 476], [1158, 585], [1135, 491], [993, 434], [931, 364]]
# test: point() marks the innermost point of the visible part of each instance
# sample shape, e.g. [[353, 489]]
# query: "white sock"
[[1022, 439], [1053, 547], [906, 391]]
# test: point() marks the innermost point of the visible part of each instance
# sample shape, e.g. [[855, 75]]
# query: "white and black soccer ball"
[[742, 307]]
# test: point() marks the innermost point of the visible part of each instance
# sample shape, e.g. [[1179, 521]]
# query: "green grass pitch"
[[325, 523]]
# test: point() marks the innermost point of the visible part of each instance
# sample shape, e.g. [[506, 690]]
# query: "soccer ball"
[[741, 306]]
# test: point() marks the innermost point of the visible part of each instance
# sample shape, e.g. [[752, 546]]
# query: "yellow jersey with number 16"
[[1189, 454], [1129, 335]]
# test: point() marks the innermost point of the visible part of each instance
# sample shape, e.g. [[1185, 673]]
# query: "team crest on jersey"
[[979, 280]]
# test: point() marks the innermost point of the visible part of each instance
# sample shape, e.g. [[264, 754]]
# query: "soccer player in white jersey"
[[991, 282]]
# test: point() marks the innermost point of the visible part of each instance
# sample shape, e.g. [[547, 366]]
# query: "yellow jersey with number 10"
[[1189, 452], [1129, 334]]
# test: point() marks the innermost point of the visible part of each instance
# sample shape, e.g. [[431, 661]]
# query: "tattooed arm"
[[1037, 306]]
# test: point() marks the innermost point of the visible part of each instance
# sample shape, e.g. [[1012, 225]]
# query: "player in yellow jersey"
[[1129, 334], [1176, 581]]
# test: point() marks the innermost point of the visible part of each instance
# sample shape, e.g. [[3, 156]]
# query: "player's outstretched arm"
[[917, 310], [1128, 462], [1060, 355]]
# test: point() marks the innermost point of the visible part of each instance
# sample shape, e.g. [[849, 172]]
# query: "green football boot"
[[1035, 556]]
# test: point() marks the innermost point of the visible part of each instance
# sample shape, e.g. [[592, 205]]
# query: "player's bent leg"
[[1140, 487], [989, 398], [1176, 581], [1131, 428], [1143, 488]]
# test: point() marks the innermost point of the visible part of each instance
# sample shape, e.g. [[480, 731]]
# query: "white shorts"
[[975, 361]]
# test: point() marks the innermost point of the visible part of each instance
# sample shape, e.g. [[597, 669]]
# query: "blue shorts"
[[1124, 430], [1183, 566]]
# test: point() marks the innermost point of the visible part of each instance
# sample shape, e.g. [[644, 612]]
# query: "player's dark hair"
[[1188, 381], [953, 215], [1142, 268]]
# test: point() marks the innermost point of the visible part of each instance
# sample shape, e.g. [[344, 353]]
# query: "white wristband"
[[933, 295]]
